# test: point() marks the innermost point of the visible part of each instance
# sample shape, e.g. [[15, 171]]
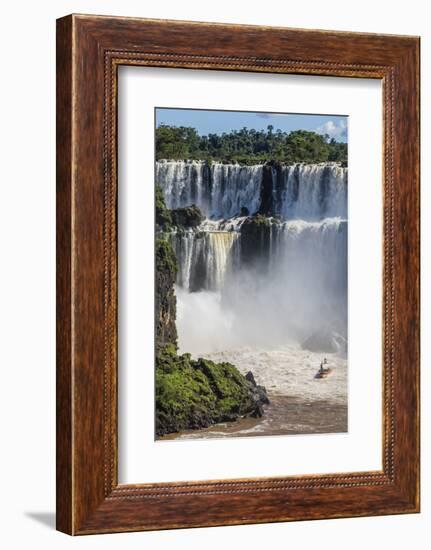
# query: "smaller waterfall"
[[187, 248], [221, 256], [310, 191], [205, 258], [315, 251]]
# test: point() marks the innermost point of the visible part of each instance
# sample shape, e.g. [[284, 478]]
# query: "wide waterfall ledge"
[[223, 191]]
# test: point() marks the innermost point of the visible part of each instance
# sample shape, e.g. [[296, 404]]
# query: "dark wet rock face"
[[166, 302], [266, 198], [165, 275], [189, 216], [249, 376], [255, 238]]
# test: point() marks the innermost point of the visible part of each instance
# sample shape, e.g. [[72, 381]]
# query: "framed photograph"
[[237, 274]]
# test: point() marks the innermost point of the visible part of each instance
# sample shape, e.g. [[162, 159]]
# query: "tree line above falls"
[[248, 146]]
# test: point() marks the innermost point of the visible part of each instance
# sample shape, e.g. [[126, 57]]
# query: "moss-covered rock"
[[163, 214], [192, 394], [189, 216], [166, 303]]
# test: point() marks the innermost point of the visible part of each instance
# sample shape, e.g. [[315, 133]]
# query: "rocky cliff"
[[191, 394], [166, 303]]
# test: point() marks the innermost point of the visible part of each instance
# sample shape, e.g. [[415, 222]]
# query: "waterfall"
[[310, 191], [311, 257], [221, 191], [278, 276], [184, 183], [221, 256], [297, 290], [204, 258]]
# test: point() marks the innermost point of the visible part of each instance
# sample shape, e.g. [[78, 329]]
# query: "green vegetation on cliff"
[[163, 214], [248, 146], [166, 302], [190, 394], [187, 217], [193, 394]]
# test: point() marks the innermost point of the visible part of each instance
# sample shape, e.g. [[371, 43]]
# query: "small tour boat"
[[324, 372]]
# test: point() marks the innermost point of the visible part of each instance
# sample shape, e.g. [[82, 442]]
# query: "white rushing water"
[[300, 191], [220, 190], [310, 191], [204, 259]]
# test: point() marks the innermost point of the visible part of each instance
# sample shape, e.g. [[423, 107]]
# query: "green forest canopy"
[[248, 146]]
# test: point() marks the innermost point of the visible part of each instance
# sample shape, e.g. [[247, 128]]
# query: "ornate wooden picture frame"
[[89, 51]]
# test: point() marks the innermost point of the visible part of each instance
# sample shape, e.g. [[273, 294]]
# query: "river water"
[[300, 403]]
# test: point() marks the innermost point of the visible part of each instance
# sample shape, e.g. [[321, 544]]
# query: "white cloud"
[[336, 130]]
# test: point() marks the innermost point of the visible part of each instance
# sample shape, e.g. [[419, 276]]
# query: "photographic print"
[[251, 273]]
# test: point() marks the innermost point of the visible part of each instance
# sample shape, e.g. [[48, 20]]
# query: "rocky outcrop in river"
[[192, 394]]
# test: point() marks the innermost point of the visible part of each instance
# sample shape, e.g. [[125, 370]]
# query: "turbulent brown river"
[[300, 403]]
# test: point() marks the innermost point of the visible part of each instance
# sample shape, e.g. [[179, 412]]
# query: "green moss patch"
[[166, 302], [192, 394]]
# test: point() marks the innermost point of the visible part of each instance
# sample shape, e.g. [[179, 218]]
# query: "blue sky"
[[217, 122]]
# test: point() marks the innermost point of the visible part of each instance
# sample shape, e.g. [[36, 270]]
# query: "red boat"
[[323, 372]]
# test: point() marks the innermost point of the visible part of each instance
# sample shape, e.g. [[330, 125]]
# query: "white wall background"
[[27, 247]]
